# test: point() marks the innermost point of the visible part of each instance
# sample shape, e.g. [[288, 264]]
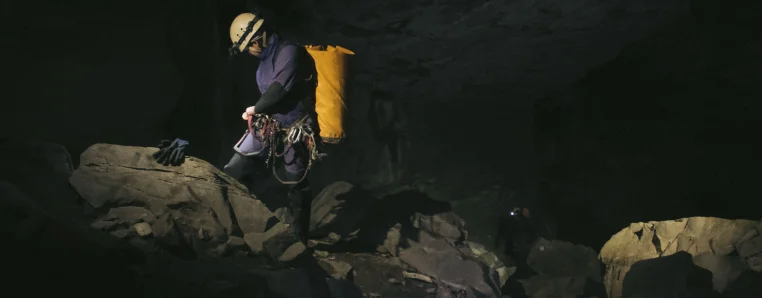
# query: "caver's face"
[[256, 45]]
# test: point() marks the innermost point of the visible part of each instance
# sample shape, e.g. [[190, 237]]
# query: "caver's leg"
[[239, 167], [300, 205], [299, 195]]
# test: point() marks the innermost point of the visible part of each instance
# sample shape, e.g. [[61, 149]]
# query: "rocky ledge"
[[122, 225]]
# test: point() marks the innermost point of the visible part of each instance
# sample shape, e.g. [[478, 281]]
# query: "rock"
[[28, 214], [41, 172], [143, 229], [171, 238], [445, 225], [725, 268], [339, 208], [336, 269], [563, 259], [38, 244], [343, 289], [492, 261], [545, 286], [391, 243], [292, 252], [750, 245], [191, 201], [237, 243], [277, 242], [145, 245], [280, 242], [220, 288], [669, 276], [333, 237], [121, 233], [746, 286], [381, 274], [297, 283], [755, 263], [711, 243], [255, 241], [102, 225], [413, 223], [130, 215], [417, 276], [563, 270], [220, 250], [441, 260], [320, 253]]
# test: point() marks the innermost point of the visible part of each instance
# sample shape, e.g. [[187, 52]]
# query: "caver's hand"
[[250, 112]]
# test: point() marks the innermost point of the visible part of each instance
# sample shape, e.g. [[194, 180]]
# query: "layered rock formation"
[[697, 256], [192, 231]]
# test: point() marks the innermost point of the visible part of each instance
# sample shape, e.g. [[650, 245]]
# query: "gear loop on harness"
[[271, 133]]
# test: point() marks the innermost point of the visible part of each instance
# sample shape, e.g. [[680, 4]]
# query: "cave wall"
[[443, 81], [664, 131], [85, 71], [443, 85]]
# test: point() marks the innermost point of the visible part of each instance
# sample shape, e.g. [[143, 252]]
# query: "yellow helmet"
[[243, 28]]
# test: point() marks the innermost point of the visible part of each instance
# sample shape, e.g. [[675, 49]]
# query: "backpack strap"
[[306, 67], [308, 73]]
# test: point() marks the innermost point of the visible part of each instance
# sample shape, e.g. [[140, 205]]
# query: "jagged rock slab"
[[424, 233], [339, 208], [193, 203], [675, 275], [724, 248], [492, 261], [337, 269], [41, 245], [41, 170], [546, 286], [446, 225], [564, 259], [36, 244], [440, 259], [382, 275], [563, 270]]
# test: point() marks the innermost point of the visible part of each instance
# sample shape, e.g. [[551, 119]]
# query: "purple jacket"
[[279, 62]]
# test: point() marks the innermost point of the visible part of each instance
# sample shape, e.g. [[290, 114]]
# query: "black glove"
[[171, 153]]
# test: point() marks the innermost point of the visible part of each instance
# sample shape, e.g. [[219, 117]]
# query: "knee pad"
[[237, 165]]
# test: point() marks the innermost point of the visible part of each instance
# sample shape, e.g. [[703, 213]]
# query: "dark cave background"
[[647, 112]]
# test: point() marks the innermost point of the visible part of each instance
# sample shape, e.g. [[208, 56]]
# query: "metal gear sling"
[[296, 134]]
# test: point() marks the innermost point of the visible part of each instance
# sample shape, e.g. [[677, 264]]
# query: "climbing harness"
[[298, 133]]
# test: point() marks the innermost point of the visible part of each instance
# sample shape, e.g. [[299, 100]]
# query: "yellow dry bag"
[[331, 66]]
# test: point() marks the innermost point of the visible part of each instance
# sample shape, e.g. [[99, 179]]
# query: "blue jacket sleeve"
[[285, 72]]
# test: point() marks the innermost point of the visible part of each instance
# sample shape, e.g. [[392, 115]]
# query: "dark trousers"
[[251, 171]]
